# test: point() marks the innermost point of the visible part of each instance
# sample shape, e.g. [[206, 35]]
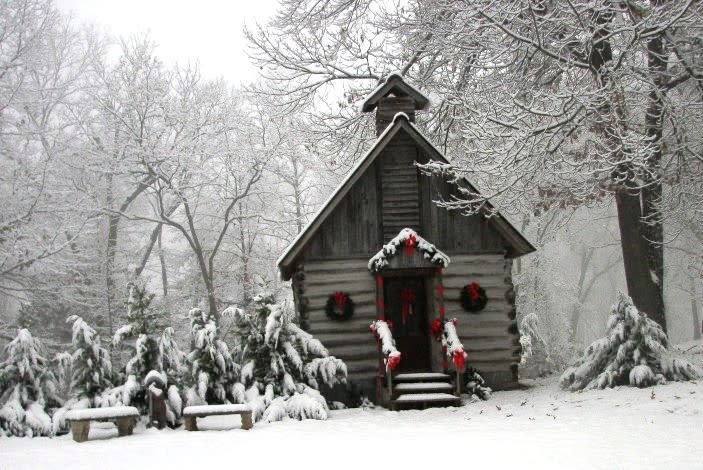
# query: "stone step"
[[422, 377], [423, 387], [426, 398]]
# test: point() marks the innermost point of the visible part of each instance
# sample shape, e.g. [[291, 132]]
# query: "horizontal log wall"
[[490, 337], [349, 340]]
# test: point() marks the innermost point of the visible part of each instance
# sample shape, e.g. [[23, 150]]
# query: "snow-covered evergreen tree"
[[143, 326], [535, 360], [91, 368], [213, 371], [27, 388], [633, 352], [282, 365]]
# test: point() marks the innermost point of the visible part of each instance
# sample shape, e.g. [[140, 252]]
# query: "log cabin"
[[354, 253]]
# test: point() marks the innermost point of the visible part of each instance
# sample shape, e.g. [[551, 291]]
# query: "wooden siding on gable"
[[400, 187], [392, 195], [352, 230]]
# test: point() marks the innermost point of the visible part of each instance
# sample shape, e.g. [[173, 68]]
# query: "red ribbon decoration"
[[393, 361], [340, 298], [474, 292], [440, 290], [437, 328], [410, 244], [459, 358], [407, 296], [379, 280]]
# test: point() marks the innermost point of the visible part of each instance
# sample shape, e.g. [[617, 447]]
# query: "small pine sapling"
[[282, 365], [27, 388], [212, 369], [91, 368], [633, 352], [535, 360], [143, 325]]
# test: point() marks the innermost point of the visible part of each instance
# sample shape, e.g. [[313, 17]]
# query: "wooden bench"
[[125, 417], [191, 413]]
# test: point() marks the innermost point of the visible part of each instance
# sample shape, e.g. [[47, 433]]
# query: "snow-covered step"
[[421, 377], [423, 387], [426, 398]]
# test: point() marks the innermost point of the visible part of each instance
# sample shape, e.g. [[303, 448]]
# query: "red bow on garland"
[[459, 358], [393, 361], [407, 296], [410, 244], [340, 298], [474, 292]]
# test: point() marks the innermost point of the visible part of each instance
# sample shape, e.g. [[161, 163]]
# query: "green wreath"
[[339, 306], [473, 298]]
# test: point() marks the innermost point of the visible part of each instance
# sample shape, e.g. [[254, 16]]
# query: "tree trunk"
[[652, 226], [640, 286], [697, 327], [162, 260]]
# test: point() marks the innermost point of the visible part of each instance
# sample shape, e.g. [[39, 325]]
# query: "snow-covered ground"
[[539, 427]]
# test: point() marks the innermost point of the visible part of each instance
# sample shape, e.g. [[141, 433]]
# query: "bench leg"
[[190, 423], [125, 426], [79, 430], [247, 423]]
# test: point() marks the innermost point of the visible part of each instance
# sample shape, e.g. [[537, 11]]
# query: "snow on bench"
[[190, 413], [124, 416]]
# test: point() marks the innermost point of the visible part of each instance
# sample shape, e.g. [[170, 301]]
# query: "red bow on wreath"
[[474, 292], [407, 296], [410, 244], [340, 298]]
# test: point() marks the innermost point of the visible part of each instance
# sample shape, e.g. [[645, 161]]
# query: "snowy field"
[[540, 427]]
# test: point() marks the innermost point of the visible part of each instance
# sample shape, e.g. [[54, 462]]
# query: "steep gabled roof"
[[396, 85], [519, 245]]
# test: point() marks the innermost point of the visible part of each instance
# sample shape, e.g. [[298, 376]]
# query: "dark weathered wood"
[[125, 425], [80, 430]]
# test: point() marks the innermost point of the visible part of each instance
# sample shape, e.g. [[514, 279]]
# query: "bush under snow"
[[282, 365], [27, 388], [633, 352]]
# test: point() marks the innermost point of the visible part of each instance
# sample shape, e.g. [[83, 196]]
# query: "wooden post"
[[125, 425], [247, 422], [190, 423], [80, 430]]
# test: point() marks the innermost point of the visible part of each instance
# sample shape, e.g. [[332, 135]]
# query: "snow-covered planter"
[[633, 352], [409, 239], [282, 366], [391, 355]]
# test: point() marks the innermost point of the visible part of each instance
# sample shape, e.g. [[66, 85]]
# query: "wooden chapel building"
[[382, 195]]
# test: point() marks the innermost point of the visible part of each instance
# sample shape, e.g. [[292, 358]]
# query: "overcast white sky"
[[209, 31]]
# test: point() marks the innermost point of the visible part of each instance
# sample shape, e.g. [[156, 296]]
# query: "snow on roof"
[[399, 118], [430, 252], [335, 192], [369, 103], [101, 413]]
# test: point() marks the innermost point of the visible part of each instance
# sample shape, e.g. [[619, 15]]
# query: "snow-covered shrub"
[[475, 385], [27, 388], [154, 349], [212, 369], [282, 365], [535, 360], [91, 368], [633, 352]]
